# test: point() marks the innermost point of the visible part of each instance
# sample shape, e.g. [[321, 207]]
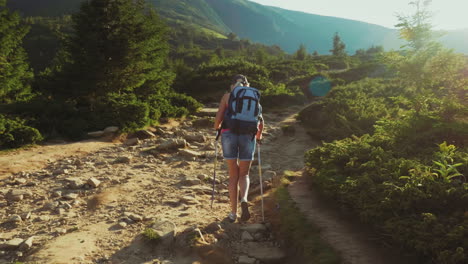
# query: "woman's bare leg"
[[233, 182]]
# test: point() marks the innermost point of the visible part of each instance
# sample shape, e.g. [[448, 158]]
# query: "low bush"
[[15, 133]]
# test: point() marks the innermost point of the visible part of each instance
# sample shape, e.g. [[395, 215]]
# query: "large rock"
[[265, 253], [111, 130], [254, 228], [166, 230], [246, 260], [207, 112], [96, 134], [132, 141], [27, 244], [172, 144], [246, 236], [11, 244]]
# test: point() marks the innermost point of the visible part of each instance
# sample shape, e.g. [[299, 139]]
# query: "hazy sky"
[[448, 14]]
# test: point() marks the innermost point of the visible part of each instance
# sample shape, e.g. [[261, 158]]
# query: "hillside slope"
[[259, 23]]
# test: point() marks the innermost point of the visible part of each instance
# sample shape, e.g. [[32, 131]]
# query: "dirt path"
[[90, 202], [37, 157]]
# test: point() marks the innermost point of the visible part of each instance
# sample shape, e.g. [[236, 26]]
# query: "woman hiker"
[[239, 143]]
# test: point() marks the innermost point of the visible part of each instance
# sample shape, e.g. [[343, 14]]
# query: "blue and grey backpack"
[[244, 110]]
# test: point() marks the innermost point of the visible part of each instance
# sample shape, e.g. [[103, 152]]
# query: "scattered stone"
[[19, 254], [246, 260], [189, 153], [122, 224], [246, 236], [172, 203], [264, 253], [57, 194], [14, 219], [190, 181], [60, 172], [20, 181], [70, 196], [182, 164], [143, 134], [190, 200], [61, 231], [123, 159], [203, 177], [212, 228], [93, 182], [134, 217], [254, 228], [203, 122], [192, 137], [17, 195], [269, 175], [67, 206], [74, 183], [11, 244], [42, 218], [26, 216], [172, 144], [111, 129], [198, 189], [132, 142], [27, 244], [51, 205], [60, 211], [96, 134]]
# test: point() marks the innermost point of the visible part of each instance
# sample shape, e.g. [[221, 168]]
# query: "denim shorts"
[[238, 146]]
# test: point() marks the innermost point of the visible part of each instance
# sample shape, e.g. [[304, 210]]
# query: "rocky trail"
[[145, 200]]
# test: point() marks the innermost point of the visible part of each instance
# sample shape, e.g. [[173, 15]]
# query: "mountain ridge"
[[272, 25]]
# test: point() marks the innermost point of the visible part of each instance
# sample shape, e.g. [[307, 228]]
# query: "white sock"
[[246, 191]]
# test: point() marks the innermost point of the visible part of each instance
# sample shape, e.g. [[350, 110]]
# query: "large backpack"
[[244, 110]]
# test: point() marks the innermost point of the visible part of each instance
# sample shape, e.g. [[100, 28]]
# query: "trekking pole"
[[261, 181], [214, 168]]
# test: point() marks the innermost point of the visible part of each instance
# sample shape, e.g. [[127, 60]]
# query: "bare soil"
[[139, 186]]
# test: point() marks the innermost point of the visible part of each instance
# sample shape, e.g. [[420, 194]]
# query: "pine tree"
[[118, 47], [15, 73], [301, 53], [416, 29], [338, 46]]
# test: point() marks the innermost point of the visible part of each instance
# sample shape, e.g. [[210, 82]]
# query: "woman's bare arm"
[[220, 114]]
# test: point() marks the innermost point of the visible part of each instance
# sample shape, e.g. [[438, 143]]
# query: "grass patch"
[[300, 234], [151, 235]]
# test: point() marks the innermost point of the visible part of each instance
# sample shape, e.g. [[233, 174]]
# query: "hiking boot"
[[245, 211], [231, 217]]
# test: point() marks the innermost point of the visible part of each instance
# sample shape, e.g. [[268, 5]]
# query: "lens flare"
[[319, 86]]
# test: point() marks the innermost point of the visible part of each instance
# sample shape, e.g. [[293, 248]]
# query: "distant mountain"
[[259, 23]]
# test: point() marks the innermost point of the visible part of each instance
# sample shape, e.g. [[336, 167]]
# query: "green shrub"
[[421, 204], [15, 133]]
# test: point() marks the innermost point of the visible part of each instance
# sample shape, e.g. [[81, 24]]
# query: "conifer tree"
[[119, 48], [15, 73], [301, 53], [338, 46]]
